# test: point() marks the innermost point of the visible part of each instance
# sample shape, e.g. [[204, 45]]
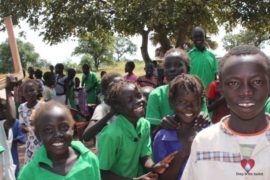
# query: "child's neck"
[[248, 126], [31, 104]]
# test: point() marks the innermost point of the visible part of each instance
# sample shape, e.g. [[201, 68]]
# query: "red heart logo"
[[247, 164]]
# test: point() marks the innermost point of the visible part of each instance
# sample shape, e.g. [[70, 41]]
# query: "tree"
[[27, 54], [169, 22], [99, 45], [124, 46], [245, 37]]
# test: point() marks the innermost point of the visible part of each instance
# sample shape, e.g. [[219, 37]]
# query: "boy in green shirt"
[[124, 146], [59, 158]]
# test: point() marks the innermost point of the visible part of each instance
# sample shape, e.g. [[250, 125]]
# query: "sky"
[[63, 51]]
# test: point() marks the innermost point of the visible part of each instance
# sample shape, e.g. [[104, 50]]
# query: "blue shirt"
[[165, 143]]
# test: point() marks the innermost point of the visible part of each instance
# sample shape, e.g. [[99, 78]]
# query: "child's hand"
[[161, 166], [168, 122], [201, 122], [148, 176]]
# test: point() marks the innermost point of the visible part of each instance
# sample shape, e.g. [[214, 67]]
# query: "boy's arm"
[[10, 106], [94, 127]]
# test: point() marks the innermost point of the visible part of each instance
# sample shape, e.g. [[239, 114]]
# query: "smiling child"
[[59, 157], [237, 147], [186, 97], [124, 146]]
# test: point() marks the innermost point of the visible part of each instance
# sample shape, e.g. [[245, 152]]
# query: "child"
[[238, 146], [216, 102], [103, 108], [124, 145], [59, 157], [89, 82], [149, 79], [129, 67], [60, 87], [7, 119], [49, 91], [158, 106], [30, 92], [186, 97]]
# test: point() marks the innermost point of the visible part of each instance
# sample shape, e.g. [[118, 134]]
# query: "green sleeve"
[[146, 148], [95, 164], [107, 150], [153, 109]]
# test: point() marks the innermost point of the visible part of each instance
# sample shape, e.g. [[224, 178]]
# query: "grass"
[[120, 68]]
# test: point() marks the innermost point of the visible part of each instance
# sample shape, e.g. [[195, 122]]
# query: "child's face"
[[128, 68], [244, 83], [55, 132], [131, 103], [173, 67], [86, 70], [30, 92], [198, 39], [187, 106]]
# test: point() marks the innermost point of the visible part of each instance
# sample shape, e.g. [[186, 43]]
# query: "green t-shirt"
[[2, 149], [86, 167], [204, 65], [158, 105], [267, 105], [90, 82], [121, 145]]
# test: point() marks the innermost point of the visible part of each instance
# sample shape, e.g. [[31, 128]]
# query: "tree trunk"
[[96, 62], [144, 47]]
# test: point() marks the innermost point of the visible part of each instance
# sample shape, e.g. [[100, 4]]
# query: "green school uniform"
[[121, 145], [204, 65], [90, 82], [86, 167], [158, 105]]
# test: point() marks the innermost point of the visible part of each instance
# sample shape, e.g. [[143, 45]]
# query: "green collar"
[[41, 154], [128, 127]]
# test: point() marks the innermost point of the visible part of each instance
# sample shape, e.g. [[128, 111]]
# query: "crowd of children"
[[186, 128]]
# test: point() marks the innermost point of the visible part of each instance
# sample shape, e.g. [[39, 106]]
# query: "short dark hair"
[[106, 81], [29, 81], [38, 114], [38, 74], [59, 66], [244, 50], [115, 93], [131, 64], [196, 29], [185, 82], [178, 52]]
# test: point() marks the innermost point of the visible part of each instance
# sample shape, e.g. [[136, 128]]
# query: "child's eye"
[[64, 127], [257, 82], [233, 84]]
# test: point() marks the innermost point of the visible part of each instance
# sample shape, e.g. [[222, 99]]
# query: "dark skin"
[[198, 38], [187, 107], [173, 66], [55, 131], [132, 105], [96, 125], [8, 108], [86, 71], [245, 86], [30, 93]]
